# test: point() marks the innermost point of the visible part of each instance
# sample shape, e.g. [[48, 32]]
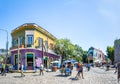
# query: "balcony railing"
[[15, 47], [30, 46]]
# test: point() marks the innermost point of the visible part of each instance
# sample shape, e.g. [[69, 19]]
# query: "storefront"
[[31, 58]]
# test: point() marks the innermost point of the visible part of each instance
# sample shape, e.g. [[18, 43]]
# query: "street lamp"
[[6, 42]]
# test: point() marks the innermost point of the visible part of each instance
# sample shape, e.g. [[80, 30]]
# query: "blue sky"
[[85, 22]]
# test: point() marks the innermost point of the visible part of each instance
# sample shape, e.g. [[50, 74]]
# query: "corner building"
[[32, 45]]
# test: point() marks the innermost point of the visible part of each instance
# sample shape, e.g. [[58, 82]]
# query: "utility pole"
[[42, 53], [18, 54], [48, 63]]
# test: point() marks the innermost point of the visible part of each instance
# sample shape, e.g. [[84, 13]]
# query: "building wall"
[[37, 32], [117, 50], [18, 34], [97, 55], [37, 55], [25, 30], [44, 37]]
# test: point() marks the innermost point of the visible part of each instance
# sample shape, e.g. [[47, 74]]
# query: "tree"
[[2, 57], [64, 47], [67, 50], [79, 52], [110, 53]]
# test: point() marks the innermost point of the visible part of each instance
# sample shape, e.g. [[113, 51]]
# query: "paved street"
[[94, 76]]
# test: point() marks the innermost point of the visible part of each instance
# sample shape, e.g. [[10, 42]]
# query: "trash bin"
[[54, 68]]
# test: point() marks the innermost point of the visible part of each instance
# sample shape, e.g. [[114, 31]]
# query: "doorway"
[[45, 61], [30, 61]]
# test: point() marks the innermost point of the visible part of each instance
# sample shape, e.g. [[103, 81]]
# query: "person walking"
[[107, 67], [41, 69], [10, 67], [88, 66], [0, 67], [22, 68], [3, 69], [115, 68], [80, 70]]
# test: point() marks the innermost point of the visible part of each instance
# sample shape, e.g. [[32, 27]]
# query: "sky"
[[85, 22]]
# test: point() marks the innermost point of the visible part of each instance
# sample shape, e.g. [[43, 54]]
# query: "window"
[[29, 39], [51, 46], [16, 60], [40, 40], [21, 40], [100, 56], [15, 42], [46, 45]]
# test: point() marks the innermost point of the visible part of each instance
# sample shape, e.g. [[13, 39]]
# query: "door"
[[30, 61]]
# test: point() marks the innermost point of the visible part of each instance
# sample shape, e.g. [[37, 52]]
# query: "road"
[[94, 76]]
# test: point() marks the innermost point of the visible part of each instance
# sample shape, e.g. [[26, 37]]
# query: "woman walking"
[[80, 70]]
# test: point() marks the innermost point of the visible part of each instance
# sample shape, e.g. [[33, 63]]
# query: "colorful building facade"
[[95, 55], [32, 45]]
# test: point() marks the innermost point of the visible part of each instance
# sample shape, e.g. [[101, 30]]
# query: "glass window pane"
[[29, 39], [21, 40], [40, 42]]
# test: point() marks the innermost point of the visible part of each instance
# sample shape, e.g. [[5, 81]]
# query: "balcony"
[[23, 46], [15, 47]]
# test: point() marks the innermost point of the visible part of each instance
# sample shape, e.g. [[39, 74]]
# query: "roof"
[[97, 50], [32, 25]]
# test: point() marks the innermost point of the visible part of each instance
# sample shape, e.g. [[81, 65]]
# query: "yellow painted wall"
[[18, 34], [44, 37], [37, 33]]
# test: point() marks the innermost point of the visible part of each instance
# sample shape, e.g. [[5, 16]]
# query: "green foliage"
[[64, 47], [67, 50], [79, 59], [110, 53], [2, 57]]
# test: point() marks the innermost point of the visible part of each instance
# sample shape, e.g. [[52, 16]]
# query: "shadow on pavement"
[[17, 76], [74, 79], [61, 76], [37, 75]]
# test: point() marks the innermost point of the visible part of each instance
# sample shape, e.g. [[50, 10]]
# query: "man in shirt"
[[41, 69]]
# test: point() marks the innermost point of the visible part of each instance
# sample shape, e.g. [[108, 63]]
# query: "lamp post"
[[6, 43]]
